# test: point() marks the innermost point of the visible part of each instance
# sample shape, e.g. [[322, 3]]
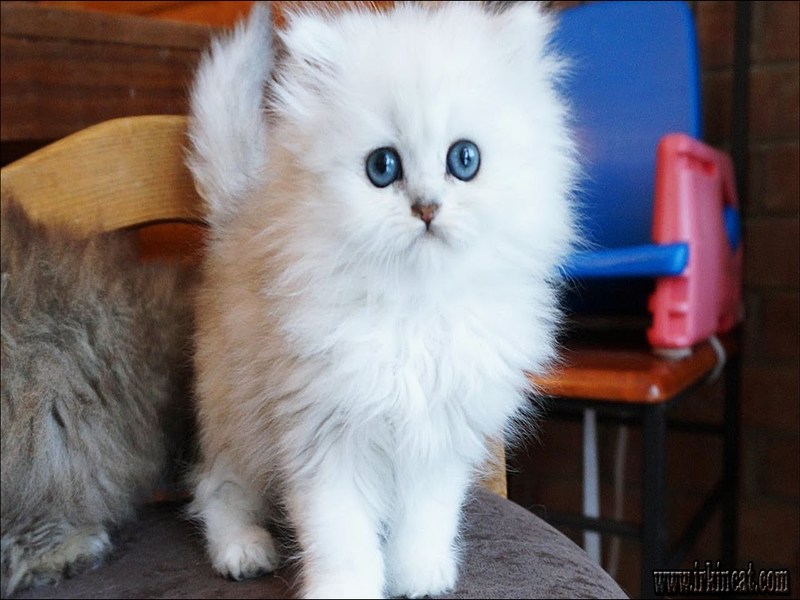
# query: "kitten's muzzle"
[[425, 211]]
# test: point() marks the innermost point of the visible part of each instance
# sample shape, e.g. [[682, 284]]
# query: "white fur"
[[348, 361], [227, 132]]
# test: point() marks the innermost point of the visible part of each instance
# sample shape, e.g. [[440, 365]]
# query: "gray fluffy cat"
[[94, 354]]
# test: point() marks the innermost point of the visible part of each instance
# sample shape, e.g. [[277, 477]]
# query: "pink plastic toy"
[[694, 194]]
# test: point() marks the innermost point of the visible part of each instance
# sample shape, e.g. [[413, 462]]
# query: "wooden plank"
[[213, 12], [222, 14], [110, 176], [63, 70], [23, 19], [131, 7], [51, 88], [494, 478]]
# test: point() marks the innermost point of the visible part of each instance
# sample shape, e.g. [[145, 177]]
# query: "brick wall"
[[771, 402], [550, 468]]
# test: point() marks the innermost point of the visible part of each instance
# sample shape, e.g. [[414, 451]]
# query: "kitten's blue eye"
[[463, 160], [383, 167]]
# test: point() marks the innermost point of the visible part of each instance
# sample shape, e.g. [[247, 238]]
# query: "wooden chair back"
[[114, 175]]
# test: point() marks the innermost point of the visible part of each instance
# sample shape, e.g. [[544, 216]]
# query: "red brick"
[[557, 496], [751, 464], [753, 300], [554, 454], [780, 325], [682, 507], [557, 451], [771, 396], [628, 572], [694, 462], [541, 464], [717, 106], [768, 534], [631, 501], [705, 404], [782, 467], [775, 102], [775, 178], [558, 435], [715, 29], [551, 493], [776, 31], [771, 252]]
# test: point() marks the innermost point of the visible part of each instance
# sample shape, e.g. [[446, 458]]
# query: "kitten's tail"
[[227, 129]]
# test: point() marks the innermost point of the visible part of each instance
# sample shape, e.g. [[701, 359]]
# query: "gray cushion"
[[508, 553]]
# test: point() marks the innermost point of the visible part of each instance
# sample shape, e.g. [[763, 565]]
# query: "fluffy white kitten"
[[389, 200]]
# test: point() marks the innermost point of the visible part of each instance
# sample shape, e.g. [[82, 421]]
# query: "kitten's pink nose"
[[425, 211]]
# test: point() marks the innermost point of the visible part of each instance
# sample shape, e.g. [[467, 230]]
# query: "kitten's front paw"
[[249, 554], [342, 587], [418, 574]]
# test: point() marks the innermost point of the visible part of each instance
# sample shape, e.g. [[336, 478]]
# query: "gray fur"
[[94, 355]]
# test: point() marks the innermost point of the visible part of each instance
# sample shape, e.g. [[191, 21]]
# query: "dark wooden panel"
[[63, 70], [28, 19], [211, 12]]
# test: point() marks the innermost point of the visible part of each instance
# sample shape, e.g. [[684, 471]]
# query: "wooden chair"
[[129, 172]]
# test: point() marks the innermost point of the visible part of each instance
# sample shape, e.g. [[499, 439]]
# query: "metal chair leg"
[[730, 505], [654, 487]]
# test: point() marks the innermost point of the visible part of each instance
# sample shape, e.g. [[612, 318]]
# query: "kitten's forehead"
[[415, 78], [420, 72], [427, 49]]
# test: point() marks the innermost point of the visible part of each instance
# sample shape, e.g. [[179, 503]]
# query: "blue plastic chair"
[[634, 79]]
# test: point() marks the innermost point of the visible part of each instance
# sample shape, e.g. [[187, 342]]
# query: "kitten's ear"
[[524, 28], [227, 130], [310, 44]]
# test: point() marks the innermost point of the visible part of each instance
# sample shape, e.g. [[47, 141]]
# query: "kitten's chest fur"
[[431, 367]]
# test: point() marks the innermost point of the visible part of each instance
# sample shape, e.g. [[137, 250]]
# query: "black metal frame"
[[652, 418]]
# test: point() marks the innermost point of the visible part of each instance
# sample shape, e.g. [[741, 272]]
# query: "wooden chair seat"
[[627, 372]]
